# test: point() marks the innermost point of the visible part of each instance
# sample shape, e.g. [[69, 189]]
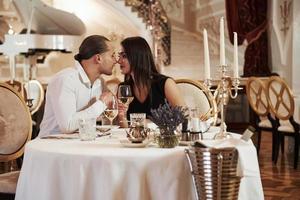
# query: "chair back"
[[15, 123], [257, 96], [214, 172], [18, 86], [197, 95], [280, 98], [36, 93]]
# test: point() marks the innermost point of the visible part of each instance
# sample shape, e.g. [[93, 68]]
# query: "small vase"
[[167, 141]]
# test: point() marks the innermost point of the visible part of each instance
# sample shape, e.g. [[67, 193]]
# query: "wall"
[[284, 38], [195, 15]]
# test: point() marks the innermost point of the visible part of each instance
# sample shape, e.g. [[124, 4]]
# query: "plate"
[[127, 143], [105, 128], [61, 136], [186, 143], [101, 134]]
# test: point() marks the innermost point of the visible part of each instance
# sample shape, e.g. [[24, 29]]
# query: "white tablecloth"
[[103, 169]]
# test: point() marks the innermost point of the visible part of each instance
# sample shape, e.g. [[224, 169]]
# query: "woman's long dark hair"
[[141, 61]]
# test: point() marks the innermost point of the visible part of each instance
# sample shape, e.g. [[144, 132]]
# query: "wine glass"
[[125, 94], [112, 109]]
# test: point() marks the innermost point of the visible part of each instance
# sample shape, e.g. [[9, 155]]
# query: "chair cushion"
[[8, 182], [194, 97], [265, 123], [286, 126]]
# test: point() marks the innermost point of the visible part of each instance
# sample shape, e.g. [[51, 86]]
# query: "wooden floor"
[[280, 181]]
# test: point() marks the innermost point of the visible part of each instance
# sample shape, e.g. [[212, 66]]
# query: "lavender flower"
[[167, 117]]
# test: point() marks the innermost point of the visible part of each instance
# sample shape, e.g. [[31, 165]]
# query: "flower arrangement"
[[167, 117]]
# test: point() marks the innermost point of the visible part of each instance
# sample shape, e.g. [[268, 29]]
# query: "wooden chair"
[[258, 100], [18, 86], [281, 101], [197, 95], [15, 131], [214, 172], [36, 93]]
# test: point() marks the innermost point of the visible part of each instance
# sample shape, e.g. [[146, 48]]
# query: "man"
[[78, 92]]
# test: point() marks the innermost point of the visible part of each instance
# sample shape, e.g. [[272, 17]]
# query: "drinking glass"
[[125, 94], [87, 129], [112, 109], [138, 119]]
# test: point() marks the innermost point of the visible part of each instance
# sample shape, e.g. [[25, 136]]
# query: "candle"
[[235, 56], [195, 124], [222, 42], [206, 55]]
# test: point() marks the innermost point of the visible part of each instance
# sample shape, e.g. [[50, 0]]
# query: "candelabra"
[[227, 88]]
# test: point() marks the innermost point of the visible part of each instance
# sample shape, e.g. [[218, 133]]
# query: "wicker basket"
[[214, 172]]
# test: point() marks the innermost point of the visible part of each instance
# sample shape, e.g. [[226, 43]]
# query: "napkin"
[[247, 161]]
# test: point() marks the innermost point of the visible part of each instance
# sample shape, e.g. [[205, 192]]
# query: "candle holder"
[[228, 88], [207, 83]]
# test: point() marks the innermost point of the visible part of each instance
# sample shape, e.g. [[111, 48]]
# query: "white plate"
[[185, 143], [101, 134], [127, 143], [105, 128], [61, 136]]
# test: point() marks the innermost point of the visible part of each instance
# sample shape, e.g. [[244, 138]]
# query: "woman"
[[150, 88]]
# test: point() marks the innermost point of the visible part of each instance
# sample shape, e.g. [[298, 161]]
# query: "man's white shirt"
[[70, 97]]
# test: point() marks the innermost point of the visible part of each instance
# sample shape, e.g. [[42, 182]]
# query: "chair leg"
[[258, 141], [5, 196], [296, 150], [276, 143], [282, 142], [273, 145]]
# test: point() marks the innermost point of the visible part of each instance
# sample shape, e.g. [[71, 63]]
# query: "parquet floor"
[[280, 181]]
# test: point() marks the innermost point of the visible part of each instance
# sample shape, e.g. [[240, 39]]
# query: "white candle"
[[195, 124], [206, 55], [235, 56], [222, 42]]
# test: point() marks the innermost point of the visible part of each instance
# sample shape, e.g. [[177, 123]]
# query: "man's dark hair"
[[90, 46]]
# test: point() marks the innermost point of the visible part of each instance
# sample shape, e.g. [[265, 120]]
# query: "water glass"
[[87, 129], [138, 119]]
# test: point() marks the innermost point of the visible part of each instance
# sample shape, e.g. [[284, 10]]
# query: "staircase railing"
[[155, 18]]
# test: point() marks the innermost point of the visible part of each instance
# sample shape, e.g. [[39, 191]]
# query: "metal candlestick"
[[228, 88]]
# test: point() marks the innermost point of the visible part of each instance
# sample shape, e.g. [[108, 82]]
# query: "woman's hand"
[[122, 110], [106, 97], [122, 114]]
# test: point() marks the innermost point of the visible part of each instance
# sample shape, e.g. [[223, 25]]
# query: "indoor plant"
[[167, 118]]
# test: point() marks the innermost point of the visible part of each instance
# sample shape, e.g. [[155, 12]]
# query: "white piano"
[[55, 30]]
